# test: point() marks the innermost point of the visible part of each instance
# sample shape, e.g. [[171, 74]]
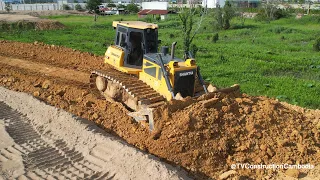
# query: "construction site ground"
[[36, 143], [203, 140], [28, 20]]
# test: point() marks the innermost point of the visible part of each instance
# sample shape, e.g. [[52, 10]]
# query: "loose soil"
[[203, 140], [37, 143]]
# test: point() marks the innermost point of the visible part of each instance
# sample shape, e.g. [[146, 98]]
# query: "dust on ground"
[[205, 140]]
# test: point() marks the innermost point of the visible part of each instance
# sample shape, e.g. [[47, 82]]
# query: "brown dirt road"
[[203, 140]]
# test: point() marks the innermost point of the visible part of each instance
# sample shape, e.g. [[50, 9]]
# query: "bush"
[[66, 7], [111, 5], [215, 37], [121, 6], [316, 45], [223, 16], [281, 13], [132, 8], [8, 7], [148, 19], [261, 16], [92, 5], [78, 7], [270, 14]]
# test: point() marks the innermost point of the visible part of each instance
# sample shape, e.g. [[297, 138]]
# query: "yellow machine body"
[[149, 69], [115, 57], [157, 80], [150, 78]]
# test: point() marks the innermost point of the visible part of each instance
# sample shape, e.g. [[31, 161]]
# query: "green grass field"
[[271, 59]]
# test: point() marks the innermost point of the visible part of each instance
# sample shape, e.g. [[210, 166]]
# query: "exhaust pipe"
[[172, 49]]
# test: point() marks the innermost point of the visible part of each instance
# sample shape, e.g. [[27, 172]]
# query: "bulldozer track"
[[132, 85], [44, 156]]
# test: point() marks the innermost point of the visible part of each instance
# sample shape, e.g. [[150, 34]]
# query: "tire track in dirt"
[[54, 144], [44, 157]]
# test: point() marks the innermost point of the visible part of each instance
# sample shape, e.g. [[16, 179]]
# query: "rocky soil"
[[205, 140]]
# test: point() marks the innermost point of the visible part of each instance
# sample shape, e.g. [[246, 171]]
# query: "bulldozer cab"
[[136, 39]]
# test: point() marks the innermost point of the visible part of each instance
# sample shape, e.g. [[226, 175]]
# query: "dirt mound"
[[254, 130], [52, 54], [30, 24], [205, 140], [48, 25]]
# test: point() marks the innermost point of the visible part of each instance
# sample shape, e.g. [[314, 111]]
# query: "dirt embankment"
[[13, 21], [203, 140]]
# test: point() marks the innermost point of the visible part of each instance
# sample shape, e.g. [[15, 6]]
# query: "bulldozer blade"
[[144, 114]]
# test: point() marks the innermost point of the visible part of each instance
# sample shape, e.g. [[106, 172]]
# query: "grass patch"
[[273, 59]]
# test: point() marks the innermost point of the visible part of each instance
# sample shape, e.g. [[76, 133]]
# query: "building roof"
[[153, 11], [135, 24]]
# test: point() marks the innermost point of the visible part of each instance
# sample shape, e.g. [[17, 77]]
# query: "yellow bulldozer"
[[142, 78]]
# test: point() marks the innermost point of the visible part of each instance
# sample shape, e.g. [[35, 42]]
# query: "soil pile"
[[52, 54], [254, 130], [205, 140], [28, 24], [48, 25]]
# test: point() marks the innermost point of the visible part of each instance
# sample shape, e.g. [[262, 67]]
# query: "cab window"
[[151, 71], [123, 40], [159, 74], [121, 36]]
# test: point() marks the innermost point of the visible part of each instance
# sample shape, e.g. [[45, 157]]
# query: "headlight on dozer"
[[173, 64], [190, 62]]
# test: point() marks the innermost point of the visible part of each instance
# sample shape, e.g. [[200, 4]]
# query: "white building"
[[155, 5], [154, 8], [213, 3]]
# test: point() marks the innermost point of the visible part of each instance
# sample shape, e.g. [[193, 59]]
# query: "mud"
[[205, 140]]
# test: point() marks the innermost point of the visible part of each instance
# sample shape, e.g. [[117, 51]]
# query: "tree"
[[218, 17], [229, 13], [270, 9], [224, 15], [132, 8], [111, 5], [78, 7], [121, 6], [186, 17], [8, 7], [66, 7], [92, 5]]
